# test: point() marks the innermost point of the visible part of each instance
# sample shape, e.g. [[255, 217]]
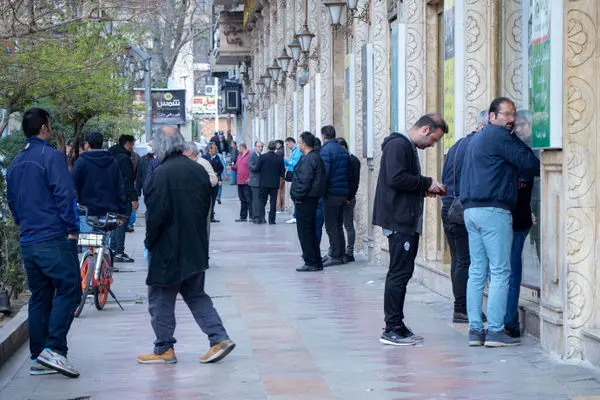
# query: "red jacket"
[[241, 166]]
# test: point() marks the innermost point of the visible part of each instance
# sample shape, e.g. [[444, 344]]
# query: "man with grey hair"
[[178, 200], [191, 151], [254, 183], [456, 232]]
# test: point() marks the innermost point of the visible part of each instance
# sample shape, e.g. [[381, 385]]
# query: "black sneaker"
[[460, 318], [348, 258], [500, 339], [406, 331], [123, 258], [394, 338], [513, 333]]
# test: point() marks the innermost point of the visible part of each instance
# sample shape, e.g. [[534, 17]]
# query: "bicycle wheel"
[[86, 271], [101, 292]]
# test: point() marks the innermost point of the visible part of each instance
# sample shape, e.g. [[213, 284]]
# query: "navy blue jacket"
[[99, 183], [456, 152], [40, 193], [493, 160], [335, 159]]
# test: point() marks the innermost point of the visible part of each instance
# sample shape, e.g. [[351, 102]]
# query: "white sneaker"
[[53, 360], [291, 221], [38, 369]]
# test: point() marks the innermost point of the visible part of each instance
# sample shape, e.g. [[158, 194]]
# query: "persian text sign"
[[539, 63]]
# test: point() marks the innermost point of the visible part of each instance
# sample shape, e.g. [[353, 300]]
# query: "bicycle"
[[96, 264]]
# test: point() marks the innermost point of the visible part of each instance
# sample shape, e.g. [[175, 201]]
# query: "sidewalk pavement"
[[299, 336]]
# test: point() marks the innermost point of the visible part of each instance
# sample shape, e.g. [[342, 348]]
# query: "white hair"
[[483, 117], [167, 140]]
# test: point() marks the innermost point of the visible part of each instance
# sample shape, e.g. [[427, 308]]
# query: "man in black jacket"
[[215, 161], [348, 209], [308, 185], [271, 169], [398, 210], [178, 200], [98, 181], [122, 153]]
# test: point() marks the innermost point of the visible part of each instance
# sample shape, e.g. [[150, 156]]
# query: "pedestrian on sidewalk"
[[398, 210], [191, 151], [455, 231], [348, 209], [488, 191], [522, 221], [178, 200], [122, 153], [244, 191], [308, 186], [290, 163], [254, 183], [217, 166], [336, 161], [48, 227], [280, 151], [234, 156], [272, 170]]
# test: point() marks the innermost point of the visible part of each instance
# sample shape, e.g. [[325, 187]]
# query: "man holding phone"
[[398, 210]]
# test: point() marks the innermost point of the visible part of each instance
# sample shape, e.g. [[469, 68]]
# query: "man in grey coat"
[[254, 182]]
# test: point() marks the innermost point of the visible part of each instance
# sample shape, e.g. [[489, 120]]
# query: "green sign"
[[539, 63]]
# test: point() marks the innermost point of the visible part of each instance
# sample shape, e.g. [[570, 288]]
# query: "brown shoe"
[[218, 352], [168, 357]]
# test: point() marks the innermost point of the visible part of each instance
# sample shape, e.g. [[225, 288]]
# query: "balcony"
[[232, 41]]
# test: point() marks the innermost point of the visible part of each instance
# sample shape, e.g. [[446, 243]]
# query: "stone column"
[[326, 68], [362, 212]]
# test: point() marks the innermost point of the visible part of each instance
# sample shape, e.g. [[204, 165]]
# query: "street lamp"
[[335, 10], [274, 70], [295, 48], [352, 4], [305, 38], [260, 87], [250, 97], [266, 78], [284, 60]]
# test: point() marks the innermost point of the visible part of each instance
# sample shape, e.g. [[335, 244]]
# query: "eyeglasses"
[[507, 113]]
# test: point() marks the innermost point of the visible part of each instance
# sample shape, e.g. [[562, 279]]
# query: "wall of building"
[[488, 59]]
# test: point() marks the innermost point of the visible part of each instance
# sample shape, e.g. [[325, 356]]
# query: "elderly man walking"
[[178, 200]]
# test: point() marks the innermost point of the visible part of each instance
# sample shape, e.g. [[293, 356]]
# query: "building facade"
[[388, 62]]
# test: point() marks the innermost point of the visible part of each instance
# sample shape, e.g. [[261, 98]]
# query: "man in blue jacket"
[[41, 198], [335, 159], [488, 191], [98, 181], [290, 164]]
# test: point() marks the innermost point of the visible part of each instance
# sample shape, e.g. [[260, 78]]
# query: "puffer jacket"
[[336, 161], [309, 175]]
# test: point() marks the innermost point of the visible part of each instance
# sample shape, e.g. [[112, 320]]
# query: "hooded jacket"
[[400, 187], [40, 193], [123, 157], [336, 161], [98, 182]]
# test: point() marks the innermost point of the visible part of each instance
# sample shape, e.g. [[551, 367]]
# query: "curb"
[[13, 335]]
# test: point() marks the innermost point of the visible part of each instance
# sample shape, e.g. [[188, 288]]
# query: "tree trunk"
[[4, 124]]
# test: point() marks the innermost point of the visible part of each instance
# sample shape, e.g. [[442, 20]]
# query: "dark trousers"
[[403, 251], [161, 305], [214, 192], [52, 271], [306, 224], [117, 238], [256, 203], [458, 240], [245, 195], [348, 212], [334, 224], [320, 222], [272, 194]]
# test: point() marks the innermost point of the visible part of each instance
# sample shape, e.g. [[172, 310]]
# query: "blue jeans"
[[52, 271], [490, 242], [320, 220], [511, 320], [132, 218], [233, 177]]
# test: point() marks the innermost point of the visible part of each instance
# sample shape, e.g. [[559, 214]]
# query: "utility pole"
[[146, 59]]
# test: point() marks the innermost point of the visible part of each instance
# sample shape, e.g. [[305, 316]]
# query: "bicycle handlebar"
[[109, 221]]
